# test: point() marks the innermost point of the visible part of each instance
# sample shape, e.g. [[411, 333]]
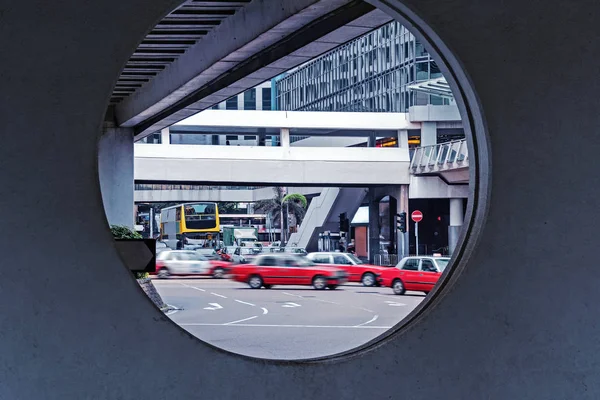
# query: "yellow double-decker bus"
[[194, 224]]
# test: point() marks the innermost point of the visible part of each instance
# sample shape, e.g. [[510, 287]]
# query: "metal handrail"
[[442, 156]]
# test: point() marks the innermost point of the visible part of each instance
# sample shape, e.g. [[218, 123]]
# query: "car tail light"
[[159, 265]]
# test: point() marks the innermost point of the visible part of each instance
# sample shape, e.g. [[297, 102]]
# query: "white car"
[[186, 262]]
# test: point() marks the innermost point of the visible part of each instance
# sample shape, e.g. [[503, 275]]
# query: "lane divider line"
[[193, 287], [241, 320], [218, 295], [244, 302]]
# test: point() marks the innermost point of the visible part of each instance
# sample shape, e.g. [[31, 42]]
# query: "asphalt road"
[[285, 322]]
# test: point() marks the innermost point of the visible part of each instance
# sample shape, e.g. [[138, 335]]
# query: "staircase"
[[323, 212]]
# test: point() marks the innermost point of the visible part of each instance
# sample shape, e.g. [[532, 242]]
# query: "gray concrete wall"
[[115, 171], [514, 320]]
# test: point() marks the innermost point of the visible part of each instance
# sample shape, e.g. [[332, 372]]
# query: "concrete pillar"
[[400, 193], [456, 221], [374, 228], [165, 136], [372, 140], [115, 170], [285, 137], [403, 138], [428, 133], [261, 136]]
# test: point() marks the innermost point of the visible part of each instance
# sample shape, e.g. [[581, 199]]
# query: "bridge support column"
[[165, 136], [400, 194], [374, 228], [428, 133], [115, 170], [403, 139], [284, 137], [456, 221], [372, 141]]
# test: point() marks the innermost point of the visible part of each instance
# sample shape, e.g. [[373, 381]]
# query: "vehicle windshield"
[[355, 259], [442, 263]]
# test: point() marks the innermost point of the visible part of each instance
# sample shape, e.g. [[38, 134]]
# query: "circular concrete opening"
[[282, 305]]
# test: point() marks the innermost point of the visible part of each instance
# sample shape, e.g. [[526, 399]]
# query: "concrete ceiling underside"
[[196, 57]]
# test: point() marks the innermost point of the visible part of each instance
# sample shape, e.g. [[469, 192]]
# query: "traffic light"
[[344, 223], [401, 222]]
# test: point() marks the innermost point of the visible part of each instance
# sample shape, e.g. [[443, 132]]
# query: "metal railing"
[[440, 157], [386, 259], [144, 186]]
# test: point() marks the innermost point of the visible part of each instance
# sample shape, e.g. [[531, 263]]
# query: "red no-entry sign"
[[416, 216]]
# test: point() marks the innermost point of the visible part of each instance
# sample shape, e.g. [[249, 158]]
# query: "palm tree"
[[292, 203]]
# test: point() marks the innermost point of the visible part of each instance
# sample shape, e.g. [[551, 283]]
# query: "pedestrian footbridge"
[[291, 166], [448, 160]]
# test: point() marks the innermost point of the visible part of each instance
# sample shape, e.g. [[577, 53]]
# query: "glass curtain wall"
[[368, 74]]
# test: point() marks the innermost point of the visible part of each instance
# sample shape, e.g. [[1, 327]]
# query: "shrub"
[[124, 232]]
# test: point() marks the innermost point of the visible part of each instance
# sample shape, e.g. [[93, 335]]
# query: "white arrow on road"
[[291, 305], [215, 306], [394, 304]]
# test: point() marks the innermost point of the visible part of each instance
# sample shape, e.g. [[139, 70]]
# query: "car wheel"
[[332, 287], [319, 282], [368, 279], [255, 282], [218, 273], [163, 273], [398, 286]]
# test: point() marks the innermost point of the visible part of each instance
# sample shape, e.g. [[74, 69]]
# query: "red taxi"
[[188, 262], [288, 269], [419, 273], [358, 271]]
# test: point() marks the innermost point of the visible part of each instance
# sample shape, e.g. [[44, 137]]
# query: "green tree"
[[293, 203]]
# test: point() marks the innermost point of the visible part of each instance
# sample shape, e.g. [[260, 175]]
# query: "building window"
[[231, 104], [231, 137], [249, 137], [250, 99], [266, 98]]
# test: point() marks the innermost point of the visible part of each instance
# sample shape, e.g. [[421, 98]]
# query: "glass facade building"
[[368, 74]]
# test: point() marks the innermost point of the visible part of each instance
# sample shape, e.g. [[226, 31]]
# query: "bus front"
[[201, 225]]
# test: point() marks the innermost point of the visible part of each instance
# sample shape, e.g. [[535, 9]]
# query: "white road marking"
[[291, 305], [243, 302], [327, 301], [290, 326], [265, 311], [395, 304], [241, 320], [218, 295], [290, 294], [192, 287], [172, 311], [366, 309], [215, 306], [369, 321]]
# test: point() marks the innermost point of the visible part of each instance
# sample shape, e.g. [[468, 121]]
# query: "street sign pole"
[[417, 236], [417, 216]]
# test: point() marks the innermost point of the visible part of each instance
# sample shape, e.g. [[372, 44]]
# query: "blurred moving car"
[[358, 271], [210, 254], [287, 269], [417, 273], [240, 255], [187, 262]]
